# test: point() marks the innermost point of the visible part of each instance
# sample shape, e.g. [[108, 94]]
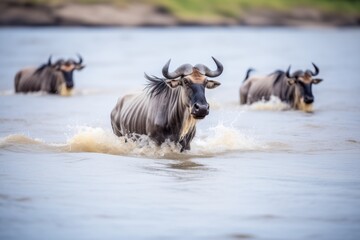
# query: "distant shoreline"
[[143, 15]]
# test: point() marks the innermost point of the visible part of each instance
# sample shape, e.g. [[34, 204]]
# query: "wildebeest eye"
[[185, 81]]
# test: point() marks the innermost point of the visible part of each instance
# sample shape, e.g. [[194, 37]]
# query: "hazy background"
[[259, 172], [185, 12]]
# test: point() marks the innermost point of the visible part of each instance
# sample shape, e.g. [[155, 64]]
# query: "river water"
[[254, 172]]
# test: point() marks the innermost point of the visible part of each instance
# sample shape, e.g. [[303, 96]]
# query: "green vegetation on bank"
[[234, 8], [200, 9]]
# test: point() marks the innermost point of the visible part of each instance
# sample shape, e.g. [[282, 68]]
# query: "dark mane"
[[39, 69], [279, 75], [298, 73], [279, 72], [156, 85]]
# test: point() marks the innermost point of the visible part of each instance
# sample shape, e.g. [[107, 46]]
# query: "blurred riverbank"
[[179, 13]]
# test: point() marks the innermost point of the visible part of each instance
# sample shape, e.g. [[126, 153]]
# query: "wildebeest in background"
[[52, 78], [170, 107], [294, 89]]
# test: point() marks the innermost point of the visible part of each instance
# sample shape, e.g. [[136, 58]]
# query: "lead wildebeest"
[[55, 78], [170, 107], [294, 89]]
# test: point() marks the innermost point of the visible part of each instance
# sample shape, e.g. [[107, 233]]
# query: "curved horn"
[[288, 72], [184, 69], [209, 73], [316, 70], [80, 59], [49, 61], [218, 71]]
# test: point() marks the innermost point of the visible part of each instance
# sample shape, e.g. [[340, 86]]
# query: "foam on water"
[[22, 143], [221, 139], [7, 92], [11, 92], [216, 140], [274, 104], [99, 140], [74, 92], [17, 139]]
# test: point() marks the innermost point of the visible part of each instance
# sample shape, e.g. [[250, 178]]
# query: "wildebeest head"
[[67, 68], [194, 81], [303, 82]]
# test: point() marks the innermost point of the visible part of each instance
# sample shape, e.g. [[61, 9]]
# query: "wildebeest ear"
[[210, 84], [79, 67], [291, 81], [173, 83], [316, 80]]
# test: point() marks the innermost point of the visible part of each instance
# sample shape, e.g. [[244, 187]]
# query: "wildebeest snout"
[[200, 110], [70, 85], [308, 99]]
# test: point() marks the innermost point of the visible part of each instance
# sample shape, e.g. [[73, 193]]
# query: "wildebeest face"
[[303, 82], [67, 68], [195, 94], [194, 81], [304, 87]]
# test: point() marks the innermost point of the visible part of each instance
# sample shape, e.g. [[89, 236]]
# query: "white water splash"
[[7, 92], [22, 143], [274, 104], [17, 139], [217, 140], [74, 92], [221, 139], [89, 139], [12, 93]]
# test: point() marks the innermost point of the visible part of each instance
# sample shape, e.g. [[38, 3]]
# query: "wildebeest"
[[54, 78], [294, 89], [169, 107]]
